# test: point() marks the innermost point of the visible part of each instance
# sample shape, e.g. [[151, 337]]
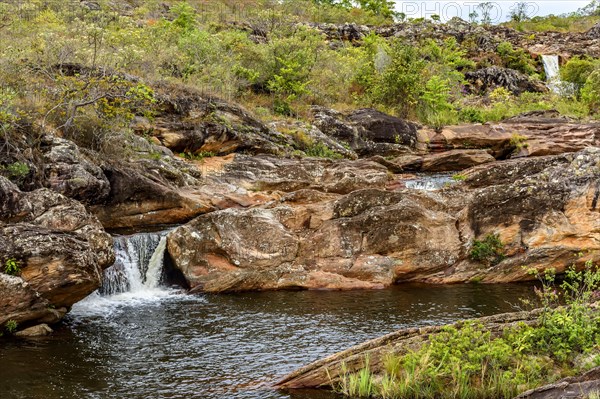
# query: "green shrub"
[[489, 251], [11, 267], [517, 59], [11, 326], [16, 171], [576, 71], [590, 93]]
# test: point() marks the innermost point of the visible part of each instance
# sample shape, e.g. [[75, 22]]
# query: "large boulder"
[[59, 248], [544, 211]]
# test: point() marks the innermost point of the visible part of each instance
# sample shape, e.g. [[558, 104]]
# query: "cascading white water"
[[138, 265], [552, 68], [429, 183], [135, 275]]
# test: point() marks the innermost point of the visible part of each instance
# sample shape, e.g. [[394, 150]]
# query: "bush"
[[517, 59], [576, 71], [590, 93], [489, 251], [11, 267]]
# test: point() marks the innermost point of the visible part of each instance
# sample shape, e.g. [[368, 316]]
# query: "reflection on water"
[[227, 346]]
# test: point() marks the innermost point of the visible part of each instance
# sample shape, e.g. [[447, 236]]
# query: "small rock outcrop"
[[58, 248], [487, 79]]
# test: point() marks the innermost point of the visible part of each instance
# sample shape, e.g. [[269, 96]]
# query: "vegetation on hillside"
[[87, 71]]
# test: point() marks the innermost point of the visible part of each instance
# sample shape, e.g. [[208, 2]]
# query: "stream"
[[140, 338]]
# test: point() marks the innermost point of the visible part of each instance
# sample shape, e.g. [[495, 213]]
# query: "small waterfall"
[[134, 278], [429, 183], [138, 265], [552, 68]]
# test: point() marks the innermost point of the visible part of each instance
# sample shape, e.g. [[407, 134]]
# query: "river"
[[162, 343]]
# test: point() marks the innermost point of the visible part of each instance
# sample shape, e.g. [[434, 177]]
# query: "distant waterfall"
[[429, 183], [138, 266], [552, 68]]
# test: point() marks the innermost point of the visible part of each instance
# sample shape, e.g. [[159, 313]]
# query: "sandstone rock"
[[455, 160], [263, 173], [367, 131], [36, 331], [139, 198], [525, 135], [60, 249], [21, 303], [188, 121], [320, 235], [382, 128]]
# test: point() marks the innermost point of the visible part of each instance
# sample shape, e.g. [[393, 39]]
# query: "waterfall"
[[138, 265], [552, 68], [429, 183]]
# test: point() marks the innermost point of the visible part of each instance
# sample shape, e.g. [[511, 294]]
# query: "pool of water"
[[164, 344]]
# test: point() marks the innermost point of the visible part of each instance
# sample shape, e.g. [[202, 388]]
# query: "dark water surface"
[[162, 344]]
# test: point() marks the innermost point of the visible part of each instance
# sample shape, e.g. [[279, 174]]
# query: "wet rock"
[[36, 331], [487, 79]]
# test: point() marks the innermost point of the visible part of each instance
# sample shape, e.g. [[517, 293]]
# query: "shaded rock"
[[36, 331], [188, 121], [21, 303], [306, 137], [367, 131], [69, 172], [487, 79], [382, 128]]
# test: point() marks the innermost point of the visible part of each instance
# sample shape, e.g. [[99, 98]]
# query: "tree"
[[519, 12], [486, 12]]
